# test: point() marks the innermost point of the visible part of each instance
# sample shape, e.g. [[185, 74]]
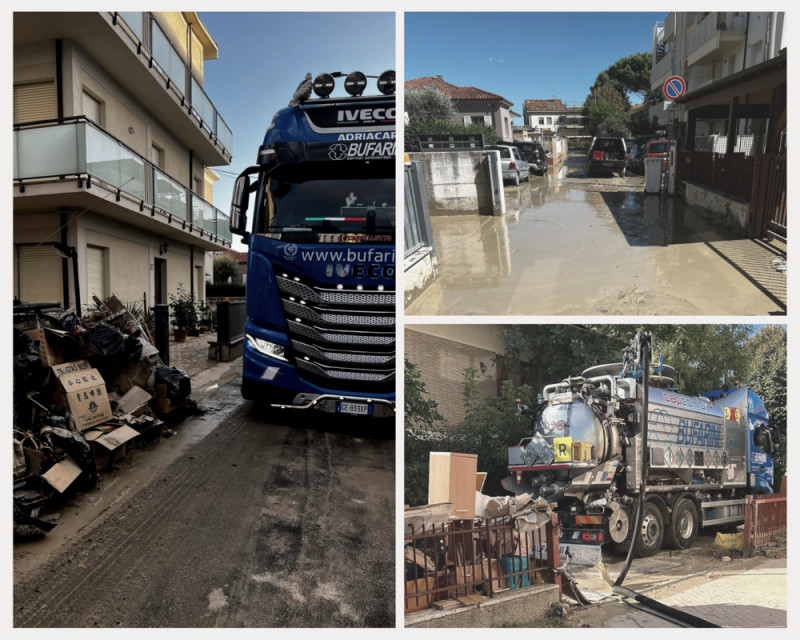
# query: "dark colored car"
[[535, 155], [606, 155]]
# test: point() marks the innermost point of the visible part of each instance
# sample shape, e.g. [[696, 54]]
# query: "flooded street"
[[572, 245]]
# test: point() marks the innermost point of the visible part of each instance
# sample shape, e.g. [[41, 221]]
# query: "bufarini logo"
[[337, 151], [290, 251]]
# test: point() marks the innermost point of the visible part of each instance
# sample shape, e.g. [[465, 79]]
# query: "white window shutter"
[[487, 120], [39, 271], [95, 273], [467, 120], [91, 108]]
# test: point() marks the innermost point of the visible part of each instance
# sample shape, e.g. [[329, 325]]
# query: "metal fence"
[[231, 320], [462, 560], [764, 522], [731, 174]]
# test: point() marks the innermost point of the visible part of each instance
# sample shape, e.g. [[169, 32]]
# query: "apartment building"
[[113, 142]]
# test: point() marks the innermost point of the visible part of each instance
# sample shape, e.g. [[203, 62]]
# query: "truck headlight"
[[267, 348]]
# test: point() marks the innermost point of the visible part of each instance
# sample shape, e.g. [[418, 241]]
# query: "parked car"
[[658, 149], [534, 154], [514, 167], [635, 155], [606, 155]]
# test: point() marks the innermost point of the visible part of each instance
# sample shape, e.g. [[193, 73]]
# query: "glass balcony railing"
[[78, 147], [142, 28]]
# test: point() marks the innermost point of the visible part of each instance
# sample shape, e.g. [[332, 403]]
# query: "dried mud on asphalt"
[[255, 525], [572, 245], [663, 578]]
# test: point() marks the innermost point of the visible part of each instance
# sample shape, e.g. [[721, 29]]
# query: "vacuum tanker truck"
[[619, 439]]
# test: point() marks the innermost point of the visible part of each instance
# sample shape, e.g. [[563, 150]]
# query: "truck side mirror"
[[240, 201]]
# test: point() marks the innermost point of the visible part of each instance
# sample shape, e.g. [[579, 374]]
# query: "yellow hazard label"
[[563, 447]]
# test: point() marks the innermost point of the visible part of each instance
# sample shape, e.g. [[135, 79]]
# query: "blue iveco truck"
[[625, 459], [320, 330]]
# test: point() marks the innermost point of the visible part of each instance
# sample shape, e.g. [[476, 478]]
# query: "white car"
[[514, 167]]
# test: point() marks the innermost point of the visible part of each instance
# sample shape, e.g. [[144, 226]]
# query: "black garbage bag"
[[29, 374], [110, 342], [71, 323], [177, 381], [28, 526]]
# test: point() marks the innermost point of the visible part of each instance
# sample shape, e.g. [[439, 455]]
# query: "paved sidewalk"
[[192, 357]]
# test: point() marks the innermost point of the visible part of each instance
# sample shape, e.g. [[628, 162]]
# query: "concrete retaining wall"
[[456, 182], [732, 213], [521, 607]]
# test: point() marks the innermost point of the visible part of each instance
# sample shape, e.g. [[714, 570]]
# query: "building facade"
[[475, 106], [113, 141]]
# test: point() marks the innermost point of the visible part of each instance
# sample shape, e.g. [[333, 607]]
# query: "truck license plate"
[[353, 408]]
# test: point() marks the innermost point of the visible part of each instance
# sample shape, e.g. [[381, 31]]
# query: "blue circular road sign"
[[674, 87]]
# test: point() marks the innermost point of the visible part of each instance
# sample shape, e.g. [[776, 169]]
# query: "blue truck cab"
[[320, 330]]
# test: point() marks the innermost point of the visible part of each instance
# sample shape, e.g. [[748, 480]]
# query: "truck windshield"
[[342, 205]]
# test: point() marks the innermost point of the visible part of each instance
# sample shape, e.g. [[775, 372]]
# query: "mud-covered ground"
[[573, 245], [250, 523]]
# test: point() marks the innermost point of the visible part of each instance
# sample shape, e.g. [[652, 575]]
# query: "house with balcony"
[[474, 106], [544, 119], [113, 144], [731, 122]]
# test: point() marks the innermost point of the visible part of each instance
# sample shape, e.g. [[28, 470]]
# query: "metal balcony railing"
[[143, 29], [58, 149]]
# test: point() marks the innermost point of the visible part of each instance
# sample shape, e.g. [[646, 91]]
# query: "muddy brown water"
[[572, 245]]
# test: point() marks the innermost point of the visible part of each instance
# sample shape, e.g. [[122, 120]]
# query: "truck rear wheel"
[[683, 525], [651, 532]]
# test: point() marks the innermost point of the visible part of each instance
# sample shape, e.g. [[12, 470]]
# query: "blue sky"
[[524, 56], [264, 56]]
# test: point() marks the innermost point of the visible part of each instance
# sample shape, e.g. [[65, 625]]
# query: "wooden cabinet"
[[451, 478]]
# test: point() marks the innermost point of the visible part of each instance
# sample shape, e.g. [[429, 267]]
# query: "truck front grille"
[[342, 337]]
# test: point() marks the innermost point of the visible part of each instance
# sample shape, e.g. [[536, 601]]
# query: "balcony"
[[110, 179], [716, 31], [134, 49]]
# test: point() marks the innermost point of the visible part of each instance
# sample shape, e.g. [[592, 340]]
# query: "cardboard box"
[[134, 402], [47, 351], [62, 474], [414, 602], [86, 396], [498, 583], [110, 447]]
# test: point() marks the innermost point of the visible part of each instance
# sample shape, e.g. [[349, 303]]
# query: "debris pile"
[[451, 563], [86, 389]]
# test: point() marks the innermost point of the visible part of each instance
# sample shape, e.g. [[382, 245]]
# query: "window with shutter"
[[487, 120], [467, 120], [39, 274], [33, 102], [91, 108], [96, 272]]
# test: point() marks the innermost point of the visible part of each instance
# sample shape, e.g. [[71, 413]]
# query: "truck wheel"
[[651, 533], [684, 524]]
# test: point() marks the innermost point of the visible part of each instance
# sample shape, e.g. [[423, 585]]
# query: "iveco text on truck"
[[619, 439], [320, 327]]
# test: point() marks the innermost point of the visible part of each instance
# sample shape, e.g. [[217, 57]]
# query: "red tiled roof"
[[458, 93], [544, 105], [240, 257]]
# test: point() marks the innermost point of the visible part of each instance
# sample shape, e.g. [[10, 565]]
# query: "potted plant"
[[184, 312]]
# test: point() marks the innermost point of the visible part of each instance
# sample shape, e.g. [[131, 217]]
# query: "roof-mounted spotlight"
[[386, 82], [355, 83], [323, 85]]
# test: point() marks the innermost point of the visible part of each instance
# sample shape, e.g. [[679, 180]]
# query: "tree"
[[632, 74], [766, 375], [431, 112], [225, 269]]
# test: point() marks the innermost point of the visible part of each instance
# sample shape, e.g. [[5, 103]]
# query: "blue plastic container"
[[512, 564]]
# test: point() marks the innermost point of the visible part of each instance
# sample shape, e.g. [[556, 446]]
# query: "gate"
[[418, 231], [768, 201], [765, 520]]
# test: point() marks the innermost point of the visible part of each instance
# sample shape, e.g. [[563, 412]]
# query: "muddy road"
[[256, 524], [573, 245]]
